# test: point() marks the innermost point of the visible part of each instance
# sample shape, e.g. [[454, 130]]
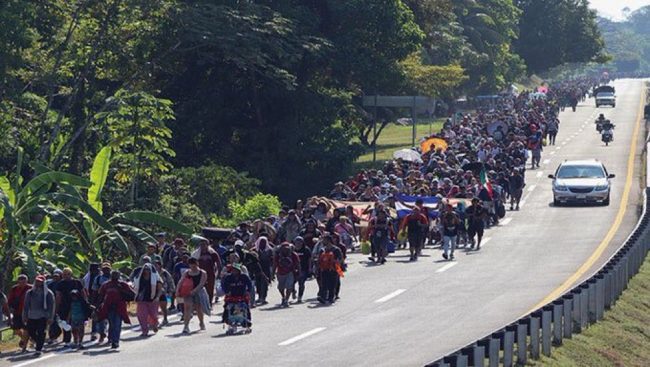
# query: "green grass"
[[9, 341], [622, 338], [395, 137]]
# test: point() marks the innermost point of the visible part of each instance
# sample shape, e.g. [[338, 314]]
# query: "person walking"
[[148, 289], [285, 266], [99, 326], [191, 283], [415, 224], [304, 269], [63, 293], [114, 295], [476, 215], [209, 261], [449, 223], [16, 302], [38, 312], [517, 184], [79, 313], [168, 290], [329, 268], [380, 232], [264, 252]]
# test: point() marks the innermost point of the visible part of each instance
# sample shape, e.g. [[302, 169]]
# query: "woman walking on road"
[[189, 287], [148, 289]]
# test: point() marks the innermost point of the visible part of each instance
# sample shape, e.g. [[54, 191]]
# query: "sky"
[[612, 8]]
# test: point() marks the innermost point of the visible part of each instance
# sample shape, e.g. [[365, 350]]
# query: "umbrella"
[[408, 155], [477, 167], [433, 144], [492, 128]]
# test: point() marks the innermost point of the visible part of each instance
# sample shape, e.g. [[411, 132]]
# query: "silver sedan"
[[581, 182]]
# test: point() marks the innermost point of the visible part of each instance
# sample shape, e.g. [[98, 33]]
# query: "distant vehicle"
[[585, 181], [605, 96]]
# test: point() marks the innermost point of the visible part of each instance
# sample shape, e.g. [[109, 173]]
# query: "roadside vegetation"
[[620, 339]]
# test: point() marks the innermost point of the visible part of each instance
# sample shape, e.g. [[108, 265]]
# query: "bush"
[[258, 206]]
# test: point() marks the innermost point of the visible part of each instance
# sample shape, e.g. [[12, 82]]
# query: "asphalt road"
[[408, 314]]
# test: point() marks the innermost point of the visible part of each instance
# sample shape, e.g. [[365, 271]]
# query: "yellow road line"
[[615, 226]]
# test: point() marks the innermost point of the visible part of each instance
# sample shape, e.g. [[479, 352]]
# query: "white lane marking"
[[547, 161], [558, 148], [564, 143], [539, 174], [391, 295], [521, 203], [485, 240], [506, 221], [552, 153], [47, 356], [532, 187], [580, 130], [302, 336], [446, 267]]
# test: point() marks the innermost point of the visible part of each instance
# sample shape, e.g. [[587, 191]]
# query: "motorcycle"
[[607, 136]]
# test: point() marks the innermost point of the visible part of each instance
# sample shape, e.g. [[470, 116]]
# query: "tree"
[[555, 32], [136, 125]]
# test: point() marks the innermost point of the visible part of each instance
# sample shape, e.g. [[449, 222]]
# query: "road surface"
[[408, 314]]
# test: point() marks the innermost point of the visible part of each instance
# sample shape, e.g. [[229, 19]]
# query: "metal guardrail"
[[536, 333]]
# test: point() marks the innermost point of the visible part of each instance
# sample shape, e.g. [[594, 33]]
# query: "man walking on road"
[[286, 265], [415, 222], [38, 312], [476, 215], [450, 223]]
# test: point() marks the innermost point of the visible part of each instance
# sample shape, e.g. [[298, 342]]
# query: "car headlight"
[[560, 188], [601, 187]]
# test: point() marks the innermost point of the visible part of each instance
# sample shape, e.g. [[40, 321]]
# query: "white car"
[[584, 181], [605, 96]]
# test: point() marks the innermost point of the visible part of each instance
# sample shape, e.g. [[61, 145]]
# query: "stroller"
[[237, 314]]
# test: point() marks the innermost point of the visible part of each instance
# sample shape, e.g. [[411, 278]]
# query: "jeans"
[[99, 327], [36, 329], [301, 283], [449, 242], [114, 327]]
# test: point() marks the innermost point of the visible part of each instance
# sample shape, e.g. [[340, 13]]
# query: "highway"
[[409, 314]]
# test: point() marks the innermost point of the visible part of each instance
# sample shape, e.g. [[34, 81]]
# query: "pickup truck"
[[605, 96]]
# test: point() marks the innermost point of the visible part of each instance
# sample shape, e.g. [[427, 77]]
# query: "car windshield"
[[605, 94], [581, 172]]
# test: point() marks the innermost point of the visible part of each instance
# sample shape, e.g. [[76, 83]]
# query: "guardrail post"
[[493, 352], [478, 356], [567, 305], [575, 310], [547, 317], [534, 335], [591, 289], [456, 360], [509, 345], [584, 306], [440, 363], [557, 322], [626, 271], [607, 282], [522, 338], [600, 296]]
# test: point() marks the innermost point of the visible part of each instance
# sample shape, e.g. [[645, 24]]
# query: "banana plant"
[[56, 219]]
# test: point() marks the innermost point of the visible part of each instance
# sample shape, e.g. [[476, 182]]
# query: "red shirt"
[[16, 299], [286, 264]]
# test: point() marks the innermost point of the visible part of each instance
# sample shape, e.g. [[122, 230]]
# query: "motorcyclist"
[[599, 122], [608, 128]]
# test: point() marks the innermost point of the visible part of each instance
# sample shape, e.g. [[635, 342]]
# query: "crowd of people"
[[459, 190]]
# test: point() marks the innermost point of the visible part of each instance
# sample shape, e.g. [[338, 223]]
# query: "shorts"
[[286, 281], [193, 299]]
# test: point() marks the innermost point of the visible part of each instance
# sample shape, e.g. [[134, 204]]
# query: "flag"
[[485, 182], [405, 203]]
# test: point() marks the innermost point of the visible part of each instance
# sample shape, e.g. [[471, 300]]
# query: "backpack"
[[327, 261]]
